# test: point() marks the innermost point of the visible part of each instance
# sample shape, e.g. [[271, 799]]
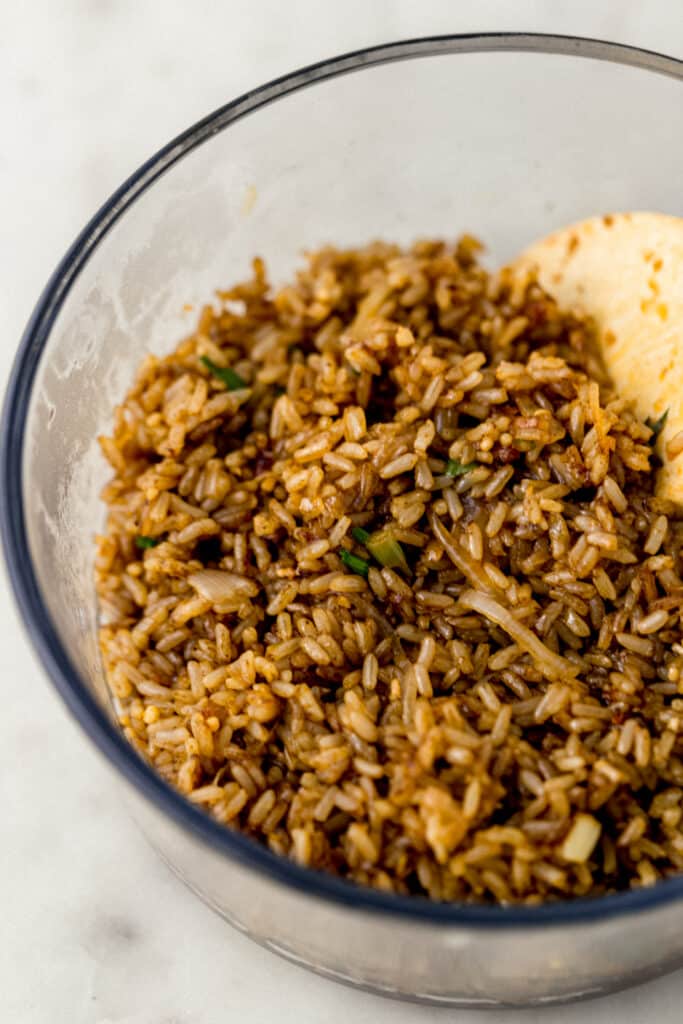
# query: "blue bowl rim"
[[37, 620]]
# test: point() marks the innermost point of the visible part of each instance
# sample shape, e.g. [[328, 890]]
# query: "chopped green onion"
[[656, 426], [455, 468], [383, 546], [225, 374], [146, 542], [354, 563]]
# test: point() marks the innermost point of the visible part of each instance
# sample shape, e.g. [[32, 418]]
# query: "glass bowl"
[[507, 136]]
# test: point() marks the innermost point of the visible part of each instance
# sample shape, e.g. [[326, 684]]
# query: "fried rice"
[[386, 586]]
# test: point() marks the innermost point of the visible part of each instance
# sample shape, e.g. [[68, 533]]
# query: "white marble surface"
[[93, 928]]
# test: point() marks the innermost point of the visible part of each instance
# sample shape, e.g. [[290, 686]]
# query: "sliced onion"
[[446, 422], [220, 587], [580, 841], [472, 570], [553, 666]]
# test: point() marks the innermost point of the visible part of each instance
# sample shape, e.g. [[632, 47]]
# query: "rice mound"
[[385, 585]]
